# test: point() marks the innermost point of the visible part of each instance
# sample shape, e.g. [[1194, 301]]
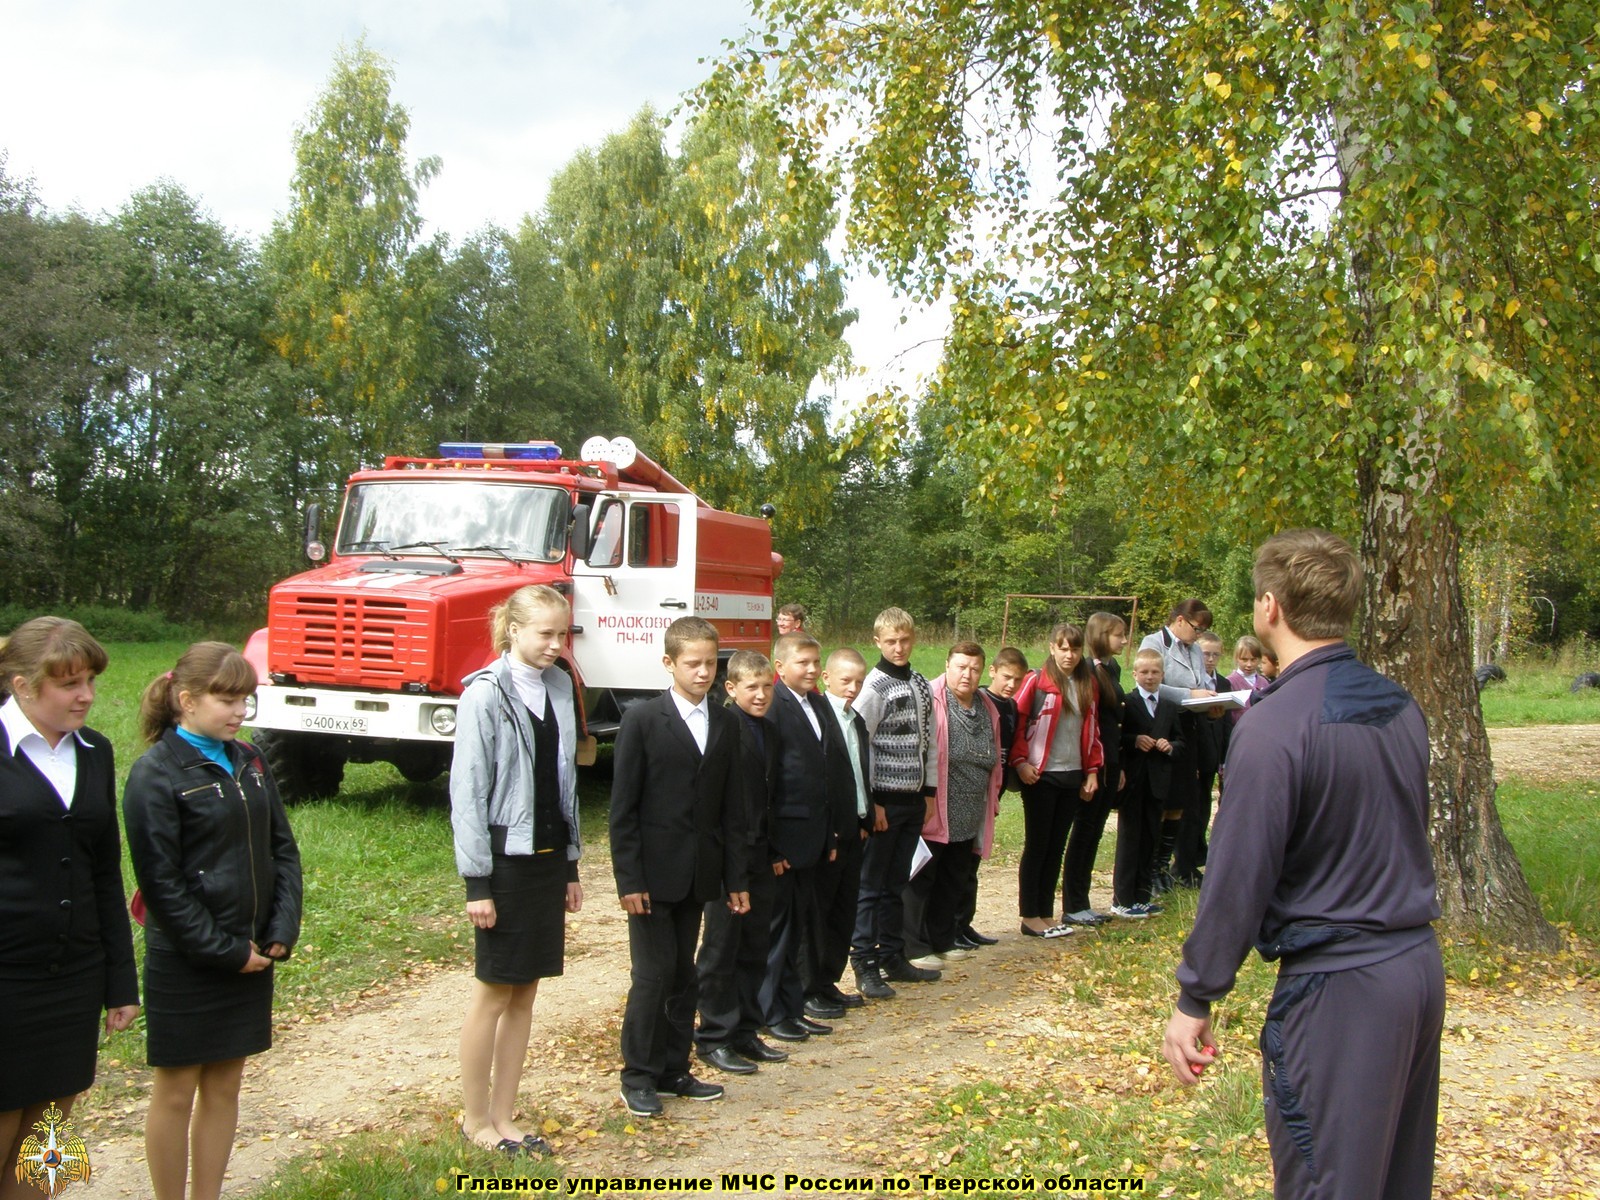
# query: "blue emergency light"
[[523, 450]]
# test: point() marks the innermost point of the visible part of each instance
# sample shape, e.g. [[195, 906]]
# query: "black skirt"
[[51, 1027], [195, 1014], [529, 938]]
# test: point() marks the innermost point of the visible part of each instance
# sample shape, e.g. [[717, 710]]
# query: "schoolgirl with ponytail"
[[220, 876]]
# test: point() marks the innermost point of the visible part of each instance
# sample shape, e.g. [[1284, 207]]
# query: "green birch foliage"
[[1259, 247], [704, 284], [355, 300]]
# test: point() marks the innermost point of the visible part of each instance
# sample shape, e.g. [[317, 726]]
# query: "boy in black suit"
[[733, 951], [803, 833], [1150, 742], [677, 841], [827, 949]]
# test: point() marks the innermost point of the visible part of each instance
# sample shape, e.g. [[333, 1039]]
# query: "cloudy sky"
[[99, 98]]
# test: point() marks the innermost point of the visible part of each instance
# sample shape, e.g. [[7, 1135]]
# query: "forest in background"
[[173, 396]]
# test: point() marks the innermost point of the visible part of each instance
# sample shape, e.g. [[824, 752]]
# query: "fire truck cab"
[[363, 658]]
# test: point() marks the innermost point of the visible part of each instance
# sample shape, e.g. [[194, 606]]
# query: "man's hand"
[[1188, 1046], [1144, 743], [636, 904], [738, 902], [880, 818]]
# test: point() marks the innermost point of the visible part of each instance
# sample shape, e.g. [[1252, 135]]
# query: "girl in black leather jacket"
[[220, 875]]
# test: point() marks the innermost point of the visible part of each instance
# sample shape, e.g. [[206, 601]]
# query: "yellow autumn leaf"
[[1512, 306], [1391, 40], [1535, 120], [1213, 80], [1422, 61]]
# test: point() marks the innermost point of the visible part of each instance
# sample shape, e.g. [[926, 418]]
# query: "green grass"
[[393, 1166], [1556, 832], [1539, 693]]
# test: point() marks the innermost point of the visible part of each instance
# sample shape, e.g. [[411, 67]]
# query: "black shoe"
[[898, 970], [814, 1028], [842, 999], [963, 942], [823, 1010], [726, 1058], [688, 1087], [980, 939], [642, 1102], [871, 985], [789, 1031], [532, 1144], [758, 1051]]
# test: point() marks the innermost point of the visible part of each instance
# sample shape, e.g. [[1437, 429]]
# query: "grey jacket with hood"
[[491, 773]]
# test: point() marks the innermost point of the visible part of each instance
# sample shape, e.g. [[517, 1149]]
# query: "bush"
[[107, 623]]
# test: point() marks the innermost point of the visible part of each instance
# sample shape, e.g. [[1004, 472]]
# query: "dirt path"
[[844, 1105], [1547, 753]]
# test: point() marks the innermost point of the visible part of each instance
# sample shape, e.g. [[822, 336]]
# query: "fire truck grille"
[[353, 639]]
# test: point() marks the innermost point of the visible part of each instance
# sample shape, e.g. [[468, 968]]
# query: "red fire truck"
[[362, 658]]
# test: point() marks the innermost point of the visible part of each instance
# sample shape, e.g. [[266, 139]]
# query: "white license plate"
[[334, 724]]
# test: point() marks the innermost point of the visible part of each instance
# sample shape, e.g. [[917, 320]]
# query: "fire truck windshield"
[[463, 516]]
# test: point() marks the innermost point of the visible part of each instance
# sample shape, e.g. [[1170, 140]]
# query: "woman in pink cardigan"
[[969, 766]]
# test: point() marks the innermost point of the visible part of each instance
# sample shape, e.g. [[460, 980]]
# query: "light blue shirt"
[[847, 726]]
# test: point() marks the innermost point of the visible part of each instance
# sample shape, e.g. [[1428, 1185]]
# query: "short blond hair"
[[1149, 655], [893, 620], [748, 664], [846, 656], [790, 644], [1315, 577]]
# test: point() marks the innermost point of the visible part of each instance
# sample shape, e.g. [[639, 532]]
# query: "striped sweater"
[[897, 707]]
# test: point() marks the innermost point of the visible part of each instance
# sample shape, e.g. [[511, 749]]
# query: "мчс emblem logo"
[[52, 1156]]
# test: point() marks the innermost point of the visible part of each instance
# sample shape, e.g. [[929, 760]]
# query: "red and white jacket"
[[1039, 704]]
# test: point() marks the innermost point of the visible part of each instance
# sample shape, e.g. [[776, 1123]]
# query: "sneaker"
[[1059, 931], [1152, 909], [898, 970], [689, 1088], [1130, 912], [870, 984], [642, 1102], [1086, 917], [956, 954], [928, 962]]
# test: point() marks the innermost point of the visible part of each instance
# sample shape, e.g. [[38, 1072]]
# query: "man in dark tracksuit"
[[1321, 858]]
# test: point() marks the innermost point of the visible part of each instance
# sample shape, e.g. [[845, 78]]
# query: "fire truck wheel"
[[423, 764], [305, 766]]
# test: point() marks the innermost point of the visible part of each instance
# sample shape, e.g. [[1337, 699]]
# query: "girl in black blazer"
[[220, 874], [66, 950]]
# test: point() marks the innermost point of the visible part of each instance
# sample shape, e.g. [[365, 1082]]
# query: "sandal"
[[533, 1144], [504, 1146]]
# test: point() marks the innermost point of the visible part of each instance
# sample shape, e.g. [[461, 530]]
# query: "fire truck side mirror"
[[315, 550], [578, 539], [768, 511]]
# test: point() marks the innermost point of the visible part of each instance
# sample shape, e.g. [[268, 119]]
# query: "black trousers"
[[1048, 809], [1138, 834], [941, 888], [733, 962], [658, 1020], [794, 896], [837, 886], [1352, 1103], [1083, 845], [885, 868]]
